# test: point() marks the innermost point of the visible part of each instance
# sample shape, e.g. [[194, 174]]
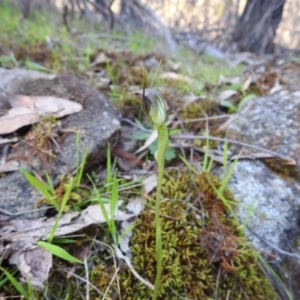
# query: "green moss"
[[202, 258], [184, 272]]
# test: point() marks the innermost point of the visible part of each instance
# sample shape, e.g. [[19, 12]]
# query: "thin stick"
[[155, 74], [134, 272], [206, 118], [87, 295], [264, 240], [83, 279], [214, 138]]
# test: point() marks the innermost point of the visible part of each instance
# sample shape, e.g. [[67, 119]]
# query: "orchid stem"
[[163, 141]]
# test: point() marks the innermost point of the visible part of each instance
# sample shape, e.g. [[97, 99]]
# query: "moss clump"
[[202, 258], [230, 254], [196, 110], [184, 266]]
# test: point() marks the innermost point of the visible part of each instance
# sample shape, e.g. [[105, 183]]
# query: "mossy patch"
[[205, 255]]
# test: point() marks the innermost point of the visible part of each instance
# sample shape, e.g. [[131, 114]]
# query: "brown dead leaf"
[[247, 82], [34, 264], [188, 99], [149, 183], [23, 234], [225, 95], [20, 236], [46, 105], [9, 166], [152, 137], [100, 59], [6, 141], [228, 80], [125, 160], [175, 76], [16, 118]]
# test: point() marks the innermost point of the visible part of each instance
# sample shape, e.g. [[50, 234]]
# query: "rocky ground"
[[234, 121]]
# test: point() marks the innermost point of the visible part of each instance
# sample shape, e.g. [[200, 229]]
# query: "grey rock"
[[268, 203], [13, 77], [98, 124], [269, 192], [17, 196]]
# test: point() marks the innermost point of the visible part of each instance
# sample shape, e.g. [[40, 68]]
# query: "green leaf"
[[40, 186], [153, 147], [235, 86], [229, 105], [35, 66], [295, 59], [6, 62], [245, 100], [65, 199], [175, 131], [15, 283], [140, 135], [62, 241], [170, 154], [59, 252]]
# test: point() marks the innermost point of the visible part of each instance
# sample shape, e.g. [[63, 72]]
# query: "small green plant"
[[142, 136], [49, 192], [139, 42], [112, 188], [15, 283], [59, 252], [154, 107], [235, 108], [114, 77]]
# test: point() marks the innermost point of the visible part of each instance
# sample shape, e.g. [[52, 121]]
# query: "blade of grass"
[[79, 172], [15, 283], [108, 168], [49, 183], [225, 201], [62, 206], [271, 272], [101, 202], [205, 158], [40, 186], [59, 252], [225, 180], [113, 207], [188, 165]]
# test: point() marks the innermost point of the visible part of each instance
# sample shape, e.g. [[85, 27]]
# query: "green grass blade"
[[49, 183], [107, 218], [271, 272], [205, 158], [63, 204], [80, 166], [40, 186], [30, 289], [225, 201], [15, 283], [80, 170], [113, 207], [108, 169], [188, 165], [226, 178], [77, 141], [59, 252]]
